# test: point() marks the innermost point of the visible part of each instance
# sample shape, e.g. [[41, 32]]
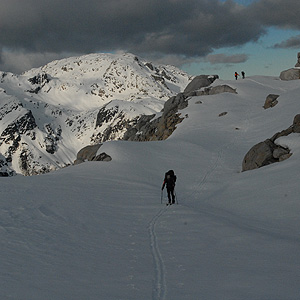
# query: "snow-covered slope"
[[48, 114], [98, 230]]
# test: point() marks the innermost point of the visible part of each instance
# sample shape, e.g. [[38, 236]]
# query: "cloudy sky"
[[261, 37]]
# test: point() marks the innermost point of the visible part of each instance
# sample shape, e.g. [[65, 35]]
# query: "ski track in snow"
[[215, 163], [159, 285], [207, 175]]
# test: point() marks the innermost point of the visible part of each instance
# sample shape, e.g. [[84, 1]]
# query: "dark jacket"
[[169, 180]]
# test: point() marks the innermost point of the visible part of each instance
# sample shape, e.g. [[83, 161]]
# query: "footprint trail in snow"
[[159, 284]]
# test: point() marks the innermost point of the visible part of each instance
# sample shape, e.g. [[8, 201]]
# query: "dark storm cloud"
[[184, 27], [188, 29], [280, 13], [293, 42]]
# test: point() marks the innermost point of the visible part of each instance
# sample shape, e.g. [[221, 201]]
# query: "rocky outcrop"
[[271, 101], [149, 128], [111, 124], [199, 82], [268, 152], [293, 73], [89, 153], [14, 131], [219, 89], [22, 125], [38, 81], [296, 124], [53, 136], [5, 170], [160, 128], [290, 74], [25, 146], [263, 154]]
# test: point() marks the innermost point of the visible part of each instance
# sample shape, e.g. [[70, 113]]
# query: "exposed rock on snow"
[[5, 169], [290, 74], [160, 128], [112, 122], [102, 157], [38, 81], [293, 73], [89, 153], [219, 89], [200, 86], [199, 82], [271, 101], [268, 152], [296, 124], [263, 154]]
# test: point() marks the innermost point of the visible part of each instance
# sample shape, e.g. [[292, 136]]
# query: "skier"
[[243, 74], [236, 74], [169, 181]]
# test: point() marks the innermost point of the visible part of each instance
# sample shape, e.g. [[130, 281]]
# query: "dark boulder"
[[89, 153], [271, 101], [268, 152], [199, 82]]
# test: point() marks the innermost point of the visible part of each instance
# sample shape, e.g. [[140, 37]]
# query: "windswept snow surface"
[[99, 231]]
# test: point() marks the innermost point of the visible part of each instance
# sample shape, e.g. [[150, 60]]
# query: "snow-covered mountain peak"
[[48, 114], [90, 81]]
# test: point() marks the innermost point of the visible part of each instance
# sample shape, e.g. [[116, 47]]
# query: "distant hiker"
[[236, 74], [170, 179], [243, 74]]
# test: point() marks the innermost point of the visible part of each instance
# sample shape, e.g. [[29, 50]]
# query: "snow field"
[[98, 231]]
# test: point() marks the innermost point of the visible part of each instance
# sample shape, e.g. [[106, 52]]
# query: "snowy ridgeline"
[[48, 114], [98, 230]]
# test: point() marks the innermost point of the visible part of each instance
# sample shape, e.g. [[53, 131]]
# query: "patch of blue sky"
[[262, 57]]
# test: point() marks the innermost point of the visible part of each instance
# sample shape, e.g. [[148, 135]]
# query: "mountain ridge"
[[50, 113]]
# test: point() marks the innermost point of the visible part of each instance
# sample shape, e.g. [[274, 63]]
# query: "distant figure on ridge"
[[236, 74], [169, 181], [243, 74]]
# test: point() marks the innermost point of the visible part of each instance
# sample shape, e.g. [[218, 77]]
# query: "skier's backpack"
[[170, 177]]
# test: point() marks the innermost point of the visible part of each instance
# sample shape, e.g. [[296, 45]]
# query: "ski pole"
[[161, 196], [176, 197]]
